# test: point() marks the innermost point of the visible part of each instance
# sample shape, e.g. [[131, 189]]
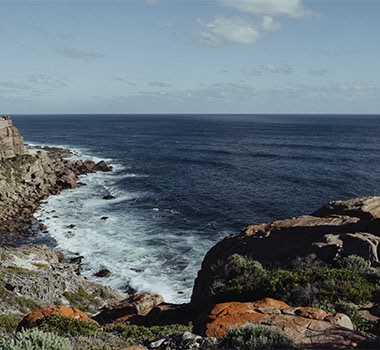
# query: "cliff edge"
[[11, 141]]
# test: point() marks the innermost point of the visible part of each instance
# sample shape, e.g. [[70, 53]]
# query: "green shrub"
[[357, 264], [323, 285], [240, 277], [252, 336], [145, 335], [66, 326], [9, 322], [244, 279], [35, 339]]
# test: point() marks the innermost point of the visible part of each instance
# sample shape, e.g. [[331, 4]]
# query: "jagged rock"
[[102, 166], [366, 208], [342, 228], [131, 309], [31, 176], [38, 275], [30, 320], [306, 327]]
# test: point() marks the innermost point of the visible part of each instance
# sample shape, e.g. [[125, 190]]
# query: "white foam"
[[127, 241]]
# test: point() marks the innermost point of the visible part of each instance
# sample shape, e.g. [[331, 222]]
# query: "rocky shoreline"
[[313, 278]]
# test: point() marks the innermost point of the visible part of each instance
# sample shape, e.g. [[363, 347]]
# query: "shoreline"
[[45, 171]]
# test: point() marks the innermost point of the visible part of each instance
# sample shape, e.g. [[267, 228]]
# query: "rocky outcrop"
[[30, 320], [307, 327], [131, 309], [29, 178], [11, 141], [338, 229], [38, 276]]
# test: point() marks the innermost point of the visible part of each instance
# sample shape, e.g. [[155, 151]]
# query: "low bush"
[[35, 339], [9, 322], [244, 279], [252, 336], [357, 264], [145, 335], [66, 326]]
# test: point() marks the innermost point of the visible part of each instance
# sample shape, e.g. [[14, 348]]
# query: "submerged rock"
[[103, 273]]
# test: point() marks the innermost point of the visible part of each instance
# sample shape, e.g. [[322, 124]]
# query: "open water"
[[183, 182]]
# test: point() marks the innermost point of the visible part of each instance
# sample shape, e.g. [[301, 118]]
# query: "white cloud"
[[291, 8], [269, 25], [228, 30]]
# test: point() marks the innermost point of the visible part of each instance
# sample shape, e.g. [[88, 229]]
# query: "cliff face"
[[11, 141]]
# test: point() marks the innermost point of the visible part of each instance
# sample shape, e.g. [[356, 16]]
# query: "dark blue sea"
[[181, 183]]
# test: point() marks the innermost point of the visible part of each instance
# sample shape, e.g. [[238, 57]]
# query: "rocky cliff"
[[11, 141], [338, 229]]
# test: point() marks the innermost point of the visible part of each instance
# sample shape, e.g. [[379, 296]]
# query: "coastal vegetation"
[[252, 337]]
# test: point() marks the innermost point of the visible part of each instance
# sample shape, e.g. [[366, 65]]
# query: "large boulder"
[[338, 229], [131, 309], [307, 327]]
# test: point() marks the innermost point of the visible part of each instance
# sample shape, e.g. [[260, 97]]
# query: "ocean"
[[183, 182]]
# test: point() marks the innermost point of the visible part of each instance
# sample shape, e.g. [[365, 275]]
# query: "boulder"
[[30, 320], [102, 166], [307, 327], [131, 309]]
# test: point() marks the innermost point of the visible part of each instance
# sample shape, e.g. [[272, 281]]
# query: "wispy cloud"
[[33, 84], [159, 84], [79, 54], [46, 80], [291, 8], [268, 68], [318, 72], [124, 81], [53, 35]]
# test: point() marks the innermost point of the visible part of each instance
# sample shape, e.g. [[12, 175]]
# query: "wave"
[[128, 241]]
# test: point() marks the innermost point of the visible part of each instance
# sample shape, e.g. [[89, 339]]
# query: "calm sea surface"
[[183, 182]]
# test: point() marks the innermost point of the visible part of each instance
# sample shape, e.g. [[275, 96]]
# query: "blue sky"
[[190, 56]]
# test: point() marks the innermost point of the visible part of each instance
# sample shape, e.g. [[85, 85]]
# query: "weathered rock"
[[11, 141], [366, 208], [30, 320], [306, 327], [342, 228], [131, 309], [102, 166], [39, 276]]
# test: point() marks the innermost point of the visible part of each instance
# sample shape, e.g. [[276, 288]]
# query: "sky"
[[190, 56]]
